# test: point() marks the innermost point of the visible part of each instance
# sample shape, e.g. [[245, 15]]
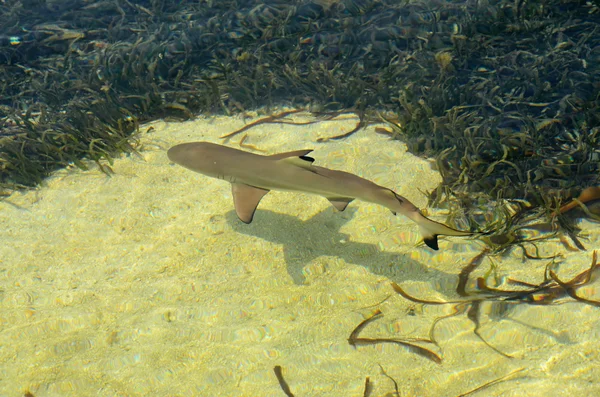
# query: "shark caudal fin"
[[430, 230]]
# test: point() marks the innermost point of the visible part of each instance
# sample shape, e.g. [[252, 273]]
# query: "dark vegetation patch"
[[505, 95]]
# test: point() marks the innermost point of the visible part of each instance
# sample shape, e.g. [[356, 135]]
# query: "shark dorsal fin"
[[302, 162], [295, 153], [246, 199], [297, 157]]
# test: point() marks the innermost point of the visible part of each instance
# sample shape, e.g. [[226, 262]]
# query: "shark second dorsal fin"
[[246, 199]]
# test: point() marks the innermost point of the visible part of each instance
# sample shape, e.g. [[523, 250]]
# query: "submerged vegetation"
[[370, 386], [551, 291], [504, 94]]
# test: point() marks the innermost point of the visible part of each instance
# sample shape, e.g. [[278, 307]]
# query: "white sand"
[[146, 283]]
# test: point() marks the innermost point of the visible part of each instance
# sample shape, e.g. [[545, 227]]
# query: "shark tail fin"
[[430, 230]]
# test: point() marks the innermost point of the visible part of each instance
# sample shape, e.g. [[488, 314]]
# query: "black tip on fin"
[[307, 158], [432, 242]]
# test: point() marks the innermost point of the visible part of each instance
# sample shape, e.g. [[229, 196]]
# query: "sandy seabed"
[[145, 283]]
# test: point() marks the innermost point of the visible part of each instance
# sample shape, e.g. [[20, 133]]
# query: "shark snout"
[[196, 156]]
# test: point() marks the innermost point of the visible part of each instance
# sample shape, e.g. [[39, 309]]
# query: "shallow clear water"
[[146, 283]]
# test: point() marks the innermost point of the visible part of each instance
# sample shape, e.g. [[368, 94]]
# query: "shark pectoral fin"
[[340, 203], [246, 199]]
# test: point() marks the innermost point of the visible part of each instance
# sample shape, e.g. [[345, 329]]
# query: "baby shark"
[[252, 176]]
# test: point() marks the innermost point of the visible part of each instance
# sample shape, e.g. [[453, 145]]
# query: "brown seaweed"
[[548, 292], [247, 145], [269, 119], [521, 124], [355, 340], [470, 306], [463, 277], [587, 196], [473, 315], [493, 382], [368, 387], [282, 382], [362, 123], [570, 287], [279, 118], [396, 390]]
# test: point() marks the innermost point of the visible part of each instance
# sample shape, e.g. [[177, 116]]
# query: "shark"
[[252, 176]]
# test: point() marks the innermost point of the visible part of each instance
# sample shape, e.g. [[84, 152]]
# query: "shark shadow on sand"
[[306, 240]]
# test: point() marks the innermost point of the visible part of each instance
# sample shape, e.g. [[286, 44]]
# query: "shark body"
[[252, 176]]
